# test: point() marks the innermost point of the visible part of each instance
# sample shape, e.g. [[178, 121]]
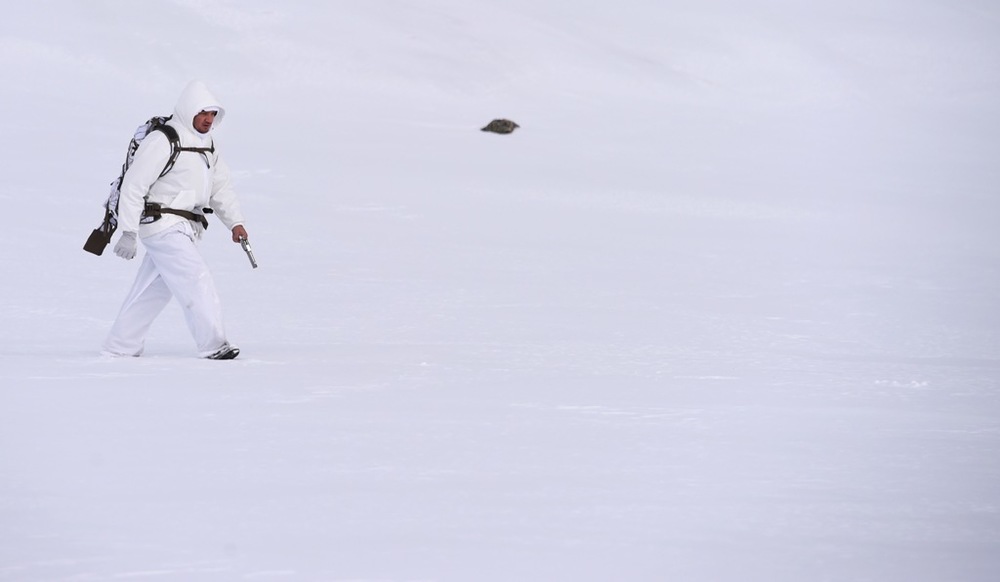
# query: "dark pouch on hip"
[[97, 242]]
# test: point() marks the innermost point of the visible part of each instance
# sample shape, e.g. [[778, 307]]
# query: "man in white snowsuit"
[[198, 183]]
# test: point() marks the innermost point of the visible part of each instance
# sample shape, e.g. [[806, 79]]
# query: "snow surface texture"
[[725, 308]]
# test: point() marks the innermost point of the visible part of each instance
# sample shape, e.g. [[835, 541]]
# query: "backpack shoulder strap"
[[175, 146]]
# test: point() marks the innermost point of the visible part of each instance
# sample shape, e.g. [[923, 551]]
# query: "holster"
[[101, 237], [97, 241]]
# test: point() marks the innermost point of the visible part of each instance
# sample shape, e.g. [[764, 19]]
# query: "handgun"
[[248, 250]]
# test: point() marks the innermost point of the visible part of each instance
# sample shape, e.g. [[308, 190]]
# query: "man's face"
[[204, 120]]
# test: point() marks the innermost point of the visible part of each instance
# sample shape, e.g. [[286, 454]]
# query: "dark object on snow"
[[501, 126]]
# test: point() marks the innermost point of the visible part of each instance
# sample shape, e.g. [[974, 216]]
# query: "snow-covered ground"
[[725, 308]]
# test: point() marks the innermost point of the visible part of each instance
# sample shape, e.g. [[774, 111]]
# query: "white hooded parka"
[[196, 181]]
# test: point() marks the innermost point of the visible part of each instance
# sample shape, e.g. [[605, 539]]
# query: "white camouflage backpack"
[[101, 236]]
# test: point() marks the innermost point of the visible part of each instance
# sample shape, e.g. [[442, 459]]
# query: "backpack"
[[101, 236]]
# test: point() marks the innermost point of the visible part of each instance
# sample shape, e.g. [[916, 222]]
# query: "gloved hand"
[[126, 246]]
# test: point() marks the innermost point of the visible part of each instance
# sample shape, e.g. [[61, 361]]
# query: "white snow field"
[[726, 307]]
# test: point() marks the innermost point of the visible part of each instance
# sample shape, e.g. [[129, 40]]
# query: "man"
[[197, 184]]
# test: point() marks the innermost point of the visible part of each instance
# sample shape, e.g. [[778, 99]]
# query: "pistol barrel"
[[249, 251]]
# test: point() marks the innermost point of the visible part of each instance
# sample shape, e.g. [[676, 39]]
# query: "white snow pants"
[[172, 267]]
